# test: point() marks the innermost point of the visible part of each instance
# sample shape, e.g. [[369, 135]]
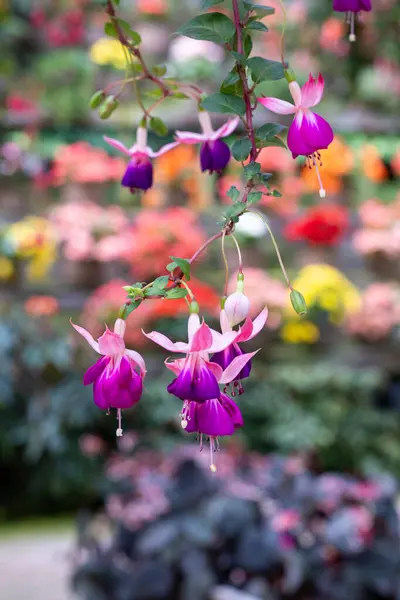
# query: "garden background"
[[318, 460]]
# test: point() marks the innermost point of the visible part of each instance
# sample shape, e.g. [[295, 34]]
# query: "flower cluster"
[[211, 359]]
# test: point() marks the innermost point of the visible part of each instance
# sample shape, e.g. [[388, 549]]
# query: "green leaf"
[[241, 149], [233, 193], [128, 31], [265, 70], [268, 131], [256, 26], [251, 170], [154, 291], [233, 212], [161, 282], [176, 293], [276, 194], [109, 29], [134, 68], [259, 9], [275, 141], [247, 44], [224, 103], [213, 27], [184, 265], [171, 266], [232, 78], [208, 3], [254, 197], [158, 126], [129, 308], [240, 58], [159, 70]]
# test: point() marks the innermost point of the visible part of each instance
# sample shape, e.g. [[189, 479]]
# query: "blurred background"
[[305, 502]]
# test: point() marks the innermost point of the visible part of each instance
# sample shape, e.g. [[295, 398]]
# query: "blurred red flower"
[[319, 226]]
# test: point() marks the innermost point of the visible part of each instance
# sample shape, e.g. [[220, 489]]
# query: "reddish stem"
[[204, 246], [246, 90]]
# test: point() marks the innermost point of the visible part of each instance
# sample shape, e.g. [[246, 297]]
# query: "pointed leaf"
[[262, 69], [213, 27], [224, 103], [184, 265], [241, 149]]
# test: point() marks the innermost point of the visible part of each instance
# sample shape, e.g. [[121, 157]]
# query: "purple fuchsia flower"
[[352, 8], [117, 377], [309, 132], [139, 172], [196, 379], [226, 357], [214, 153]]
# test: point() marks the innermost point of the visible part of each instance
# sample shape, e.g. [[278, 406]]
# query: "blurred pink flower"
[[91, 445], [90, 231], [381, 228], [379, 313]]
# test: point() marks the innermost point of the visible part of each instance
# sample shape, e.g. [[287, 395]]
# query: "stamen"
[[352, 36], [213, 467], [322, 192], [201, 442], [119, 417]]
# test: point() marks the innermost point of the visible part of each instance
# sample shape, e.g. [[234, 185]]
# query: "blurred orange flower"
[[82, 163], [41, 306], [337, 161], [159, 234], [152, 7], [331, 37], [172, 164], [372, 164]]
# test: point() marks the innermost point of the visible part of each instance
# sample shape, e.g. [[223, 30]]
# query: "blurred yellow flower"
[[300, 332], [327, 288], [6, 268], [108, 52], [33, 239]]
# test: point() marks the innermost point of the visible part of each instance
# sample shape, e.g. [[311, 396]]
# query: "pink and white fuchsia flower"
[[117, 377], [139, 172], [309, 132], [214, 153], [205, 409], [352, 8]]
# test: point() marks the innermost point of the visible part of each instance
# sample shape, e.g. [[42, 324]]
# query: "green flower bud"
[[194, 307], [108, 107], [289, 75], [97, 99], [298, 302]]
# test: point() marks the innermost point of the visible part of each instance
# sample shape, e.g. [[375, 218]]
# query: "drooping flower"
[[309, 133], [352, 8], [226, 357], [117, 377], [214, 418], [237, 305], [214, 153], [139, 172], [196, 375], [320, 226]]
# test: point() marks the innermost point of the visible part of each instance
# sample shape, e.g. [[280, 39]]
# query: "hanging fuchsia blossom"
[[139, 172], [352, 8], [309, 132], [247, 332], [214, 153], [117, 377]]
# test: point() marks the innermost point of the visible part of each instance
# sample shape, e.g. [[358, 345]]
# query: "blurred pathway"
[[35, 566]]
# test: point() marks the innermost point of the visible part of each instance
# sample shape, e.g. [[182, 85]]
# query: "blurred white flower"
[[183, 49]]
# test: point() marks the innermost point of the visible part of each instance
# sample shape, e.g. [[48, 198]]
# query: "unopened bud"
[[289, 75], [194, 307], [298, 302], [237, 304], [108, 107], [97, 99]]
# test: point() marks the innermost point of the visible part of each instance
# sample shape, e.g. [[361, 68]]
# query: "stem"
[[204, 246], [133, 50], [284, 63], [278, 254], [226, 264], [185, 285], [239, 253], [246, 91]]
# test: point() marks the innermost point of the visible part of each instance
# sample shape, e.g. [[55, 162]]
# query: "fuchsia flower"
[[249, 329], [205, 409], [139, 172], [309, 132], [214, 153], [352, 8], [117, 377]]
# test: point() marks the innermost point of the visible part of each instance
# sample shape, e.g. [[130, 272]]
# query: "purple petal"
[[196, 383], [98, 396], [351, 5], [213, 419], [95, 370], [308, 134], [232, 408], [224, 358], [139, 173], [119, 387], [214, 156]]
